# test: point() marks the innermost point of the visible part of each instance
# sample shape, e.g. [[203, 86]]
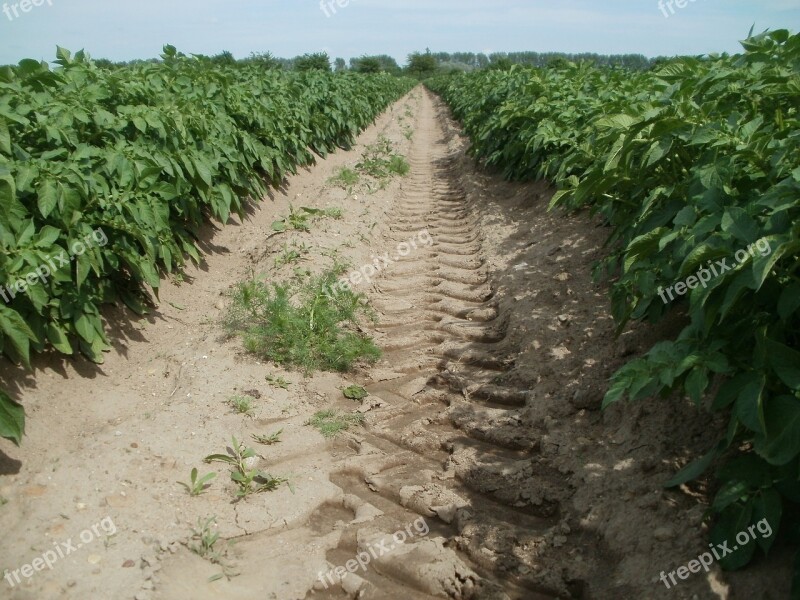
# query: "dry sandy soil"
[[483, 469]]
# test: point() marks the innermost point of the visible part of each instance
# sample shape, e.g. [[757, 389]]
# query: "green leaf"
[[785, 362], [17, 331], [47, 236], [58, 338], [732, 521], [767, 514], [695, 468], [789, 301], [781, 442], [48, 198], [5, 138], [696, 384], [749, 408], [85, 329], [12, 419], [738, 223]]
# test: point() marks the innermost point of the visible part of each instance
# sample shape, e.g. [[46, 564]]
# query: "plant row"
[[106, 177], [695, 168]]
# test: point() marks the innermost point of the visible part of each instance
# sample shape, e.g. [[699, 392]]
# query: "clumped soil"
[[484, 467]]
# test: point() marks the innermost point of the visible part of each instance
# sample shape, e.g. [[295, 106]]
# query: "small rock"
[[34, 491], [445, 513], [116, 501], [662, 534], [149, 559], [128, 564], [94, 559], [352, 584]]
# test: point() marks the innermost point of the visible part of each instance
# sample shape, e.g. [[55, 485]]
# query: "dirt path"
[[484, 468]]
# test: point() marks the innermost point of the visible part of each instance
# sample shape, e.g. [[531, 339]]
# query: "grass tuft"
[[309, 325], [331, 423]]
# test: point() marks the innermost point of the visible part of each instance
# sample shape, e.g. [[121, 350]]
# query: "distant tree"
[[501, 63], [421, 65], [223, 58], [265, 60], [319, 61], [384, 63], [341, 65], [557, 62], [368, 64]]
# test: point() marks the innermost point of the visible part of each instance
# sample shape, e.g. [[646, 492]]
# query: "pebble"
[[663, 534]]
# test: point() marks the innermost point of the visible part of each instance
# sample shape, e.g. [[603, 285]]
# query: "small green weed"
[[302, 323], [242, 404], [346, 179], [330, 422], [301, 220], [355, 392], [197, 486], [278, 382], [268, 440], [380, 162], [250, 480]]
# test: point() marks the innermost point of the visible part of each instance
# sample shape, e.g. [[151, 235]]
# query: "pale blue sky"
[[126, 30]]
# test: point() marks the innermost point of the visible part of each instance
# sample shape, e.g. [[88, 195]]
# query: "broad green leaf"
[[781, 443], [785, 362], [48, 198], [12, 419]]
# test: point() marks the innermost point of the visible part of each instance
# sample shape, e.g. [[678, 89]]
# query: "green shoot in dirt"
[[203, 543], [310, 325], [290, 255], [380, 162], [278, 382], [249, 480], [346, 179], [355, 392], [197, 486], [268, 440], [330, 422], [242, 404], [301, 220], [204, 539]]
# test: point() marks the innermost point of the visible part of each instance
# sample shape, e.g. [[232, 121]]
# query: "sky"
[[350, 28]]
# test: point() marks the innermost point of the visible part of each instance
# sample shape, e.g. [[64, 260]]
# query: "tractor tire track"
[[447, 441]]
